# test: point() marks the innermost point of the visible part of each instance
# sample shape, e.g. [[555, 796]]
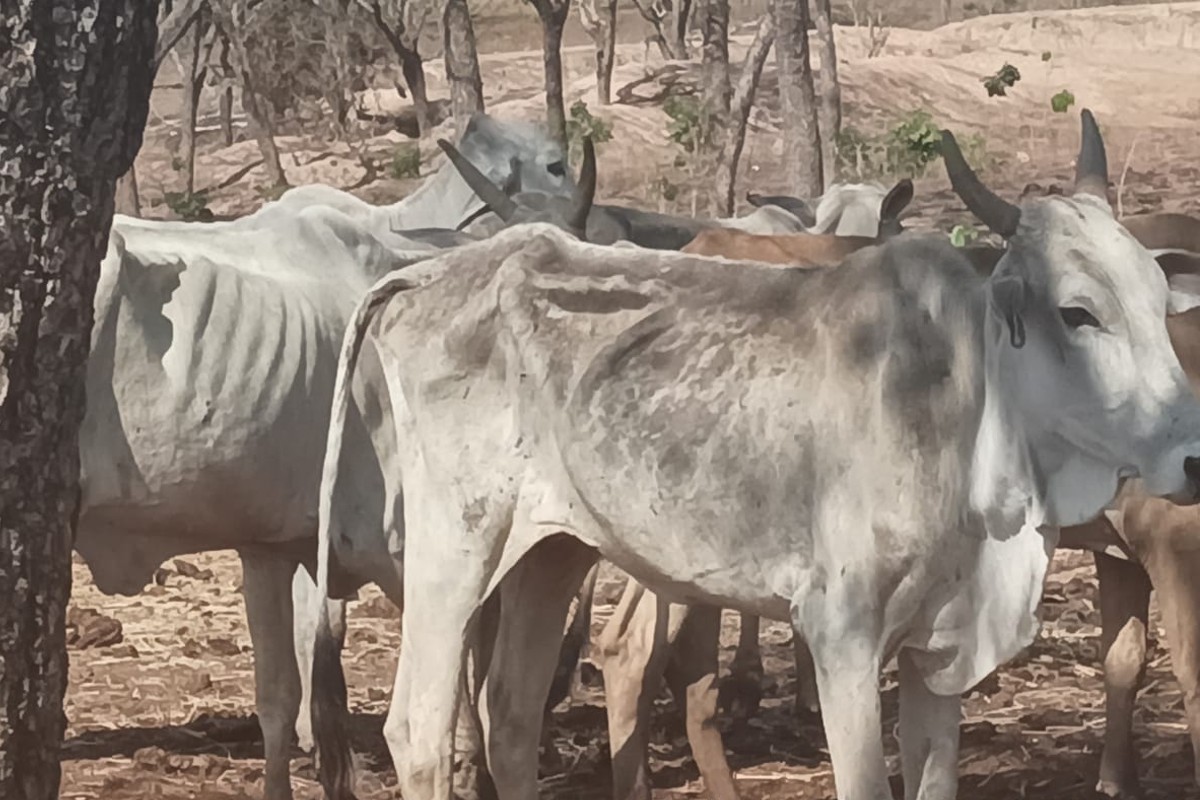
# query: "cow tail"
[[574, 642], [329, 711]]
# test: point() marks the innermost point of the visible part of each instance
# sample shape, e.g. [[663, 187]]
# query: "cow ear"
[[1184, 292], [1009, 297]]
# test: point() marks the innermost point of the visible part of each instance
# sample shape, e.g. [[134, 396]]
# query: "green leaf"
[[962, 235], [1062, 101], [1046, 55]]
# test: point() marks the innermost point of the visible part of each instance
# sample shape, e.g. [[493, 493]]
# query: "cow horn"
[[1091, 168], [504, 206], [992, 210], [585, 188]]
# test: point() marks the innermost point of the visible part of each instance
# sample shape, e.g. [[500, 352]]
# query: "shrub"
[[189, 206], [582, 123], [406, 161]]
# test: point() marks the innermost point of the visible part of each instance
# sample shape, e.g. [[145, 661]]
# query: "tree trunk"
[[801, 139], [264, 132], [599, 18], [411, 65], [743, 101], [714, 72], [681, 12], [73, 124], [462, 63], [553, 14], [192, 73], [947, 10], [226, 104], [829, 110]]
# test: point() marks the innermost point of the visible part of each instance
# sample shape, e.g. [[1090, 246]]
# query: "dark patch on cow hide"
[[597, 301]]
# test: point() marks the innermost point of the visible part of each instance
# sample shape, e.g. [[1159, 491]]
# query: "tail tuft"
[[329, 716]]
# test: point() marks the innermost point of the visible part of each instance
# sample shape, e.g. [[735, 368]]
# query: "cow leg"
[[267, 586], [1124, 610], [1173, 572], [741, 692], [928, 736], [807, 702], [848, 663], [632, 651], [535, 597], [307, 606], [692, 675]]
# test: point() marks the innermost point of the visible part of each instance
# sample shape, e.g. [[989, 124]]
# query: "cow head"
[[573, 213], [515, 155], [1077, 341]]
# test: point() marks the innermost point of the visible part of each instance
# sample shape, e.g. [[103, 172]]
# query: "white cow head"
[[516, 155], [1078, 346]]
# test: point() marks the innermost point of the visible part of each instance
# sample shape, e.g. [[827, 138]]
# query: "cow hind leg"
[[267, 586], [632, 651], [742, 691], [1124, 610], [535, 597], [692, 675], [307, 607], [807, 702], [928, 736], [848, 661]]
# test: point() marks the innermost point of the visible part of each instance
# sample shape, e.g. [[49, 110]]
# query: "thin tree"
[[681, 16], [798, 104], [462, 62], [655, 14], [553, 14], [191, 59], [714, 70], [829, 89], [76, 99], [401, 23], [236, 19], [599, 19], [225, 105], [743, 101]]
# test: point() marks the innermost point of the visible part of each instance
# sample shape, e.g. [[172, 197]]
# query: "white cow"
[[213, 356], [881, 454]]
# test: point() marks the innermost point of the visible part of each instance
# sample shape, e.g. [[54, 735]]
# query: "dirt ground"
[[164, 708]]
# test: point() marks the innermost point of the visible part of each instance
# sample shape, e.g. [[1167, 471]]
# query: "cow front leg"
[[928, 736], [847, 660], [807, 702], [692, 676], [267, 587], [632, 651], [1124, 610]]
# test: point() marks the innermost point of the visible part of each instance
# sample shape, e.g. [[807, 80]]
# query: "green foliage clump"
[[1060, 102], [406, 161], [582, 123], [686, 125], [189, 206], [904, 150], [963, 235]]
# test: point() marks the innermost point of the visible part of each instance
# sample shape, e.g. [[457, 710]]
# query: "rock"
[[88, 628], [190, 570]]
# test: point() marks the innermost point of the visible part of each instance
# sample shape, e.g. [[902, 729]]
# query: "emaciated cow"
[[214, 349], [880, 453]]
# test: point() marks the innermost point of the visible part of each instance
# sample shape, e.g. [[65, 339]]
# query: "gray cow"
[[881, 454]]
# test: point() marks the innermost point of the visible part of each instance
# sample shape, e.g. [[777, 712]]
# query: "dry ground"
[[168, 710]]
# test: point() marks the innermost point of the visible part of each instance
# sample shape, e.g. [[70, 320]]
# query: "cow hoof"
[[740, 696], [1116, 790]]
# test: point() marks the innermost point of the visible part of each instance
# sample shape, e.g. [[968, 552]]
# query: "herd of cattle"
[[471, 396]]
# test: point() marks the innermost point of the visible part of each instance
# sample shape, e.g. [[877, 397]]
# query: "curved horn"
[[504, 206], [585, 188], [993, 211], [1091, 168]]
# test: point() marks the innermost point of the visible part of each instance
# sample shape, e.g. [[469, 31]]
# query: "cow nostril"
[[1191, 468]]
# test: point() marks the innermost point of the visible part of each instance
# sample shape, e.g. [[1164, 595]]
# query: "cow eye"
[[556, 168], [1078, 317]]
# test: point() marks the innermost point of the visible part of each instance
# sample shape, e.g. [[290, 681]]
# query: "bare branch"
[[172, 29]]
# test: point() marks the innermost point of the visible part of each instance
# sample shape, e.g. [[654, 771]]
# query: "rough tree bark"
[[462, 63], [743, 101], [401, 23], [77, 85], [714, 71], [553, 14], [599, 19], [801, 139], [829, 110]]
